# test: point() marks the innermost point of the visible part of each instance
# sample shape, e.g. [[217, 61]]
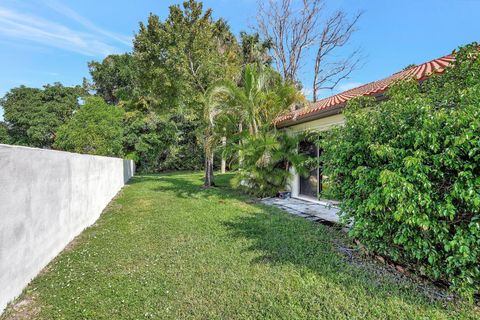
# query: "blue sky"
[[44, 41]]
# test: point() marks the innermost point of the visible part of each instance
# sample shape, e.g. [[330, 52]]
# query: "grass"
[[167, 249]]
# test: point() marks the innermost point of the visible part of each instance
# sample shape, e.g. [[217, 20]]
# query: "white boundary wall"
[[47, 198]]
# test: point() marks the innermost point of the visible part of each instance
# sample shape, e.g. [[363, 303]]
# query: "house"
[[324, 114]]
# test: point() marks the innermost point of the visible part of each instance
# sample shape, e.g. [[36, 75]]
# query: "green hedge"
[[408, 171]]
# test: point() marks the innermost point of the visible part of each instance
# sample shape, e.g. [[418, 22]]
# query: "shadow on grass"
[[141, 178], [191, 186], [283, 240]]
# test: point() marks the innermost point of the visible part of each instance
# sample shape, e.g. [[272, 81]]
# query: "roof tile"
[[419, 72]]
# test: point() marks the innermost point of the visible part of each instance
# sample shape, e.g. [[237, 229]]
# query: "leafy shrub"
[[96, 128], [186, 151], [264, 162], [408, 171]]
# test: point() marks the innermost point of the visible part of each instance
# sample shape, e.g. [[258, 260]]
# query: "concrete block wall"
[[47, 198]]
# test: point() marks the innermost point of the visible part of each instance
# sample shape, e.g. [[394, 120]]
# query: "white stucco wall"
[[46, 199], [321, 124]]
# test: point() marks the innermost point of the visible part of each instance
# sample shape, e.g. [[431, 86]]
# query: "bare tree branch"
[[292, 30], [336, 33], [194, 73], [295, 27]]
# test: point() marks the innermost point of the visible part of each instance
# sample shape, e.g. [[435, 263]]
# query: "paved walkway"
[[319, 212]]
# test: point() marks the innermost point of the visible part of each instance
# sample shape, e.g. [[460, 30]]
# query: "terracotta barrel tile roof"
[[420, 72]]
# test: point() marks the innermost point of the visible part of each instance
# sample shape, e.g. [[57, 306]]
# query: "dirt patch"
[[112, 206], [24, 308], [69, 247]]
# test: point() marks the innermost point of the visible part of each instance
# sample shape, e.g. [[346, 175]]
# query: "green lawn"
[[167, 249]]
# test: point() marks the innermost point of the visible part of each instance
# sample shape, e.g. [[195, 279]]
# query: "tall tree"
[[263, 155], [254, 50], [33, 115], [179, 59], [114, 78], [261, 97], [297, 28], [253, 105], [335, 34]]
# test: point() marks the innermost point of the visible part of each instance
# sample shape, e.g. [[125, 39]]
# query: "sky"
[[46, 41]]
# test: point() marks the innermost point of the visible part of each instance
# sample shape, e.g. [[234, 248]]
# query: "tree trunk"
[[255, 127], [224, 162], [240, 160], [209, 178]]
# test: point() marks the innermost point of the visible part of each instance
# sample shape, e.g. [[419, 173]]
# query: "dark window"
[[310, 185]]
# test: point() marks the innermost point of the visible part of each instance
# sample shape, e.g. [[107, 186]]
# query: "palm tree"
[[266, 163], [254, 105], [260, 99]]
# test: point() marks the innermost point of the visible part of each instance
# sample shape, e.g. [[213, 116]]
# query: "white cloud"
[[348, 86], [39, 30], [68, 12]]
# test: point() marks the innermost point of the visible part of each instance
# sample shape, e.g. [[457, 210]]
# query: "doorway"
[[310, 185]]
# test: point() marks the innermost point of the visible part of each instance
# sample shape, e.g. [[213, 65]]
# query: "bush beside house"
[[408, 171], [266, 159]]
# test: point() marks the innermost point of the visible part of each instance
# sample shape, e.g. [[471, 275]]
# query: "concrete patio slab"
[[313, 211]]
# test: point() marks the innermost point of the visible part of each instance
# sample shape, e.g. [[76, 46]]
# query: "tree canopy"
[[254, 49], [115, 77], [34, 115], [261, 96], [164, 86], [181, 57], [96, 128]]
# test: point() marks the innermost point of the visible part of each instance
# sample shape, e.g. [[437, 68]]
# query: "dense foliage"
[[96, 128], [177, 61], [254, 50], [157, 142], [179, 58], [244, 114], [408, 171], [34, 115], [4, 137], [164, 85], [115, 77], [253, 105], [266, 160], [161, 85]]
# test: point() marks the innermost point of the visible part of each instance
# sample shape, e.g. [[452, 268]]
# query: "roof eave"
[[379, 96], [313, 116]]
